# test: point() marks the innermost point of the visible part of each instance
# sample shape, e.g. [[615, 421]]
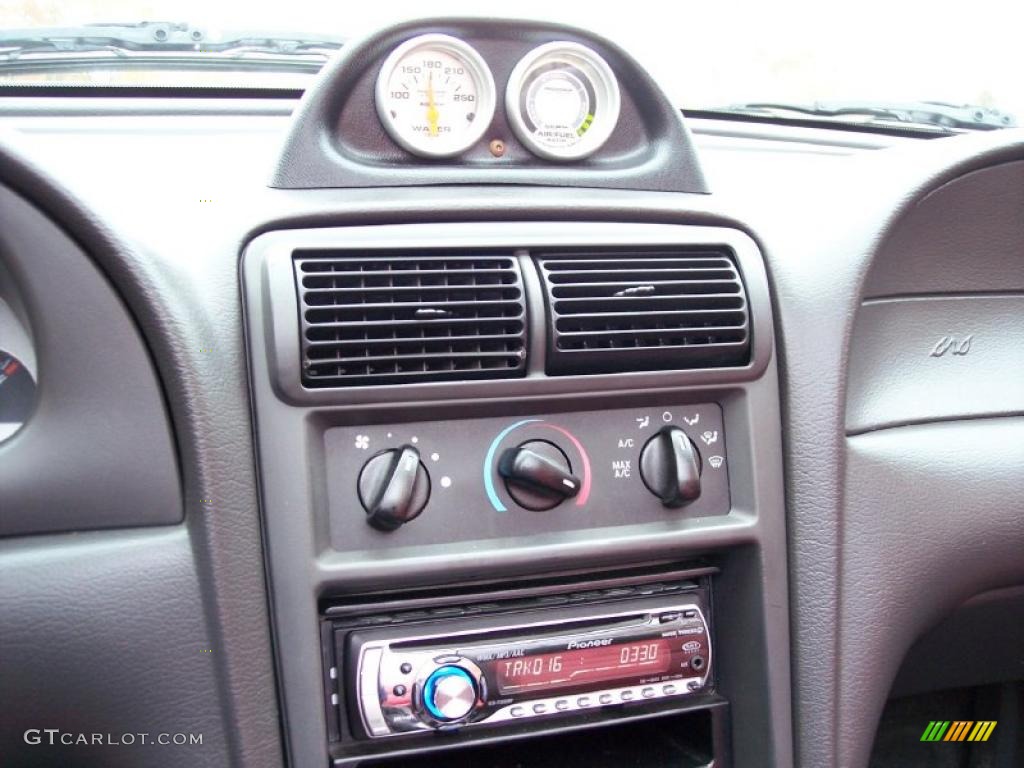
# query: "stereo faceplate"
[[457, 674]]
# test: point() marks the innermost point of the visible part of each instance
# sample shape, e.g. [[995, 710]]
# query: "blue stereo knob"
[[449, 693]]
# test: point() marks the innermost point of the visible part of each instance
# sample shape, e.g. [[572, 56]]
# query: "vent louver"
[[637, 309], [393, 318]]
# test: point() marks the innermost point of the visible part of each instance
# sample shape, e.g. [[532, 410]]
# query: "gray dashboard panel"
[[818, 281], [966, 236], [100, 420], [931, 513], [932, 517], [189, 316], [928, 358], [181, 290], [819, 220], [104, 633]]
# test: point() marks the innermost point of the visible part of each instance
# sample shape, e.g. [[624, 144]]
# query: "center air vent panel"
[[373, 317], [643, 309]]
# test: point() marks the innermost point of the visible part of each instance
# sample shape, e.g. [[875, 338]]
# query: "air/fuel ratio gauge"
[[435, 95], [562, 101]]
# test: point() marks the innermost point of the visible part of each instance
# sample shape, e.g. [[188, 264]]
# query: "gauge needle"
[[432, 115]]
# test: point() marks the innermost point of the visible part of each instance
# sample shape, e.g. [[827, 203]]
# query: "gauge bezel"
[[478, 70], [606, 94], [29, 390]]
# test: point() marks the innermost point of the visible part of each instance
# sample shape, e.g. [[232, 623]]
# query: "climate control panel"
[[465, 479]]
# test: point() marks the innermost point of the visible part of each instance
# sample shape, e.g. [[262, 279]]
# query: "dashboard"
[[478, 406]]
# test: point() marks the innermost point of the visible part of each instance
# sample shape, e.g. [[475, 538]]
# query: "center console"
[[521, 488]]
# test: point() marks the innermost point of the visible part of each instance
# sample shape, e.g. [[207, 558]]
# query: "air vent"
[[394, 318], [641, 310]]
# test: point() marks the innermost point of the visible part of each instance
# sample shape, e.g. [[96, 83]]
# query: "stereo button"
[[449, 693], [669, 690], [561, 705], [583, 701], [605, 698], [517, 712], [540, 709], [647, 693]]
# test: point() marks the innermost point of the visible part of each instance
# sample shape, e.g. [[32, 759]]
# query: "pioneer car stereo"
[[490, 670]]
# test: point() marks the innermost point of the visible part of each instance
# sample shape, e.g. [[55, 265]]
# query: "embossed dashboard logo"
[[952, 345]]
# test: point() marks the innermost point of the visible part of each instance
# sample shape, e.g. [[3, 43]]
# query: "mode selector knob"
[[538, 475], [394, 487], [670, 467], [449, 693]]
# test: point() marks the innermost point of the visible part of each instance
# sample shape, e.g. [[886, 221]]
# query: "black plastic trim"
[[640, 321], [395, 321]]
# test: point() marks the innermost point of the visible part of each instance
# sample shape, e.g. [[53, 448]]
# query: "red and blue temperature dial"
[[538, 473]]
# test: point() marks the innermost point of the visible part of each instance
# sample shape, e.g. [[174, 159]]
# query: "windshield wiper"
[[162, 40], [917, 113]]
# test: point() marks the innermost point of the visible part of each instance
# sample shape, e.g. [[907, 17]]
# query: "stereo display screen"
[[581, 666]]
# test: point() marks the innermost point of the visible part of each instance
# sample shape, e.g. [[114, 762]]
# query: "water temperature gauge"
[[435, 95]]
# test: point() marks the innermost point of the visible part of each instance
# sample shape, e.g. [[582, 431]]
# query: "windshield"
[[795, 58]]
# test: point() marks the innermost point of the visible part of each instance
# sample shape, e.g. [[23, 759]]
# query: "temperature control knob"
[[670, 466], [394, 487], [538, 475], [449, 693]]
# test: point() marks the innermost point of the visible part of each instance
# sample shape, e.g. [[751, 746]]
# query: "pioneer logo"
[[588, 643]]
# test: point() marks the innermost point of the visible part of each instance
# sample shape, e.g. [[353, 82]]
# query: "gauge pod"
[[435, 95], [562, 101]]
